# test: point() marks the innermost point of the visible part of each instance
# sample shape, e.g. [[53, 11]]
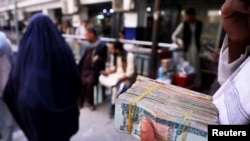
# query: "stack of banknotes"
[[177, 114]]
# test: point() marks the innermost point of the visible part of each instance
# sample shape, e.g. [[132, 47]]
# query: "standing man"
[[233, 53], [187, 35], [82, 29], [93, 60]]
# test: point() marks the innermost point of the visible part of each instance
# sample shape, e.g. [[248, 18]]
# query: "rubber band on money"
[[187, 124], [132, 106]]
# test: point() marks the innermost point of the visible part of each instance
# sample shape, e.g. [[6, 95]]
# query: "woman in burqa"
[[44, 84], [7, 123]]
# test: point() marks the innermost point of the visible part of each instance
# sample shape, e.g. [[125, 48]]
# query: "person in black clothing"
[[92, 62]]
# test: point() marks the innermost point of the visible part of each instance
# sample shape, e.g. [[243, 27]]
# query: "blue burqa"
[[44, 83]]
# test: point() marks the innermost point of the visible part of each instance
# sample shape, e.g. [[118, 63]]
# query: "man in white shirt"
[[82, 29], [234, 52], [122, 73], [187, 36]]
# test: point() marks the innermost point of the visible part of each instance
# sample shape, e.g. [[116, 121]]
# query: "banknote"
[[176, 115]]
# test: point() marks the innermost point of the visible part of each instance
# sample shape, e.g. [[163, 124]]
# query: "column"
[[49, 12], [135, 22]]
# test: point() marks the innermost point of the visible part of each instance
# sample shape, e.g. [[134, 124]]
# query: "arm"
[[109, 71], [101, 54], [112, 68], [177, 33], [130, 69]]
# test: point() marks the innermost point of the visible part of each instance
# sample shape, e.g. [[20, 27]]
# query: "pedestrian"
[[234, 52], [188, 36], [92, 62], [44, 84], [7, 123]]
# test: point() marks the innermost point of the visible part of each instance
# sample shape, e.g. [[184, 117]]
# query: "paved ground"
[[94, 126]]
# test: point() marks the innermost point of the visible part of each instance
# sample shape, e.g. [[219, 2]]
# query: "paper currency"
[[177, 114]]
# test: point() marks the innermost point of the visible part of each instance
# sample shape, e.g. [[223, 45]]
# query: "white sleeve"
[[130, 70], [178, 32], [112, 65]]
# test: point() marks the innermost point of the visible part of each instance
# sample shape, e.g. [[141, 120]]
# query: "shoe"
[[112, 112]]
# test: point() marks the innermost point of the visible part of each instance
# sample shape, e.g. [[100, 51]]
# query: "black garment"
[[88, 79], [187, 35], [44, 84], [101, 51], [90, 72]]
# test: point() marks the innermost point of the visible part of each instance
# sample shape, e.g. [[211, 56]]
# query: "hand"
[[105, 73], [216, 55], [236, 20], [95, 59], [147, 131], [177, 43]]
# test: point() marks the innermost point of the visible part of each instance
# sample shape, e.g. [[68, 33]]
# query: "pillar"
[[49, 12], [135, 22]]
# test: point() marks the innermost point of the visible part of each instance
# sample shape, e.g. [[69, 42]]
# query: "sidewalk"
[[94, 126]]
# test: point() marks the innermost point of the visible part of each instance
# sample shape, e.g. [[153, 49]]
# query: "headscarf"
[[44, 84]]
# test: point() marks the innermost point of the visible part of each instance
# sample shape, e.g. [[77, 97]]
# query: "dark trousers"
[[87, 92]]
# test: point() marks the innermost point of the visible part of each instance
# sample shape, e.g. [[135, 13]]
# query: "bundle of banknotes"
[[177, 114]]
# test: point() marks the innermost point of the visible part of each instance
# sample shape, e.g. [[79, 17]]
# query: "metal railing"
[[142, 54], [134, 42]]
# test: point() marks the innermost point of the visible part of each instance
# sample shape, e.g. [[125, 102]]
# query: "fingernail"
[[144, 126]]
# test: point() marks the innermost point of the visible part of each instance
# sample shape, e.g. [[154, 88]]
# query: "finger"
[[231, 6], [147, 129]]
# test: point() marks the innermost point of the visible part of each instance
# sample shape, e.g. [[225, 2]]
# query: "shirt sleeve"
[[111, 63], [178, 32], [130, 70]]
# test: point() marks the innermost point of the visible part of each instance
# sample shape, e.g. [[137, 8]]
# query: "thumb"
[[231, 6], [147, 131]]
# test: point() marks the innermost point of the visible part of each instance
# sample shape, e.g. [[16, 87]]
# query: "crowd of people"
[[43, 87]]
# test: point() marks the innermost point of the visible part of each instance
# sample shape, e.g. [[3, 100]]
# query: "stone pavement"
[[94, 126]]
